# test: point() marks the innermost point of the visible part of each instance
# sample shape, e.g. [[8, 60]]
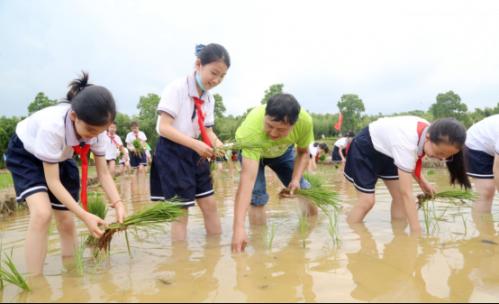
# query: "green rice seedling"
[[10, 274], [138, 147], [452, 196], [303, 224], [79, 258], [271, 236], [158, 213], [333, 227], [320, 196], [98, 207], [430, 172]]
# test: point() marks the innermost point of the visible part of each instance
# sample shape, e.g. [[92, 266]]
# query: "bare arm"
[[301, 163], [247, 180], [405, 180], [61, 193], [167, 130], [107, 183]]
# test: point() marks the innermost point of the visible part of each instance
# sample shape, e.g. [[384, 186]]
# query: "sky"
[[396, 55]]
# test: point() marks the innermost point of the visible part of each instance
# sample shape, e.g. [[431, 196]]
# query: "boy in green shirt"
[[274, 128]]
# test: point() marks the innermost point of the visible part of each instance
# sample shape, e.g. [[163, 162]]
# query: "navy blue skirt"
[[478, 164], [365, 165], [29, 177], [179, 172]]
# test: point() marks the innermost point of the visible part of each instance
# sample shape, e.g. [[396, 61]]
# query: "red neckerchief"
[[419, 163], [82, 150], [204, 134], [113, 140]]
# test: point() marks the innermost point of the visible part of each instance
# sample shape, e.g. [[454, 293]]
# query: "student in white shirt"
[[340, 148], [39, 157], [114, 146], [392, 149], [138, 158], [186, 111], [481, 153]]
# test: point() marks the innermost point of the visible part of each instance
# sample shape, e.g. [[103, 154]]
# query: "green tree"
[[352, 107], [41, 101], [147, 117], [271, 91], [449, 105], [122, 124], [219, 106], [7, 129]]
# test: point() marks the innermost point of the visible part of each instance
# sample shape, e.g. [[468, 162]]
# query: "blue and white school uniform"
[[176, 170], [113, 144], [136, 159], [482, 146], [340, 144], [386, 145], [47, 136]]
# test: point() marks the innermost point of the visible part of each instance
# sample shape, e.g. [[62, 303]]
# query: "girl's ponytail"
[[77, 85]]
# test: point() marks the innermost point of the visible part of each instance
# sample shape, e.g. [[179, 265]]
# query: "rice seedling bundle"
[[138, 147], [158, 213], [452, 196], [320, 196]]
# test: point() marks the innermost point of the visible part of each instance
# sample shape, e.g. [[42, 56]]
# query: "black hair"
[[324, 147], [350, 134], [134, 124], [283, 107], [452, 132], [316, 144], [92, 104], [211, 53]]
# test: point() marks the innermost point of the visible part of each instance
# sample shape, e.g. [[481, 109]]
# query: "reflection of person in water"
[[479, 260], [278, 275], [393, 275]]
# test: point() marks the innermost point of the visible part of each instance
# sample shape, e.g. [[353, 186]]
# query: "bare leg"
[[208, 207], [257, 215], [365, 202], [179, 228], [397, 208], [36, 241], [67, 231], [486, 189]]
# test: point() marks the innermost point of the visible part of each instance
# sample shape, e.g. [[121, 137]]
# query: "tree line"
[[448, 104]]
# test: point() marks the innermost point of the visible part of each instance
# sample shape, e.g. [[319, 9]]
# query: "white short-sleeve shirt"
[[341, 143], [397, 137], [49, 135], [484, 135], [313, 150], [177, 100], [113, 143]]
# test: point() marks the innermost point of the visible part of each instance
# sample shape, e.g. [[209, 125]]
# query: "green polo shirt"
[[251, 133]]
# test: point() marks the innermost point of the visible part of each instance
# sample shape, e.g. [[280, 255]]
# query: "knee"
[[41, 218], [66, 224]]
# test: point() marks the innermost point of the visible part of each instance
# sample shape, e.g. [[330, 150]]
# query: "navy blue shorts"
[[137, 159], [336, 157], [478, 164], [178, 171], [365, 165], [29, 178]]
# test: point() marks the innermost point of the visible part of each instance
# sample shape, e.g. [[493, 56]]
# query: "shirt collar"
[[421, 142]]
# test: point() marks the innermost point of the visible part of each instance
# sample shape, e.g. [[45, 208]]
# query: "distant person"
[[180, 167], [39, 157], [481, 153], [392, 149], [114, 146], [340, 148], [136, 145], [313, 150]]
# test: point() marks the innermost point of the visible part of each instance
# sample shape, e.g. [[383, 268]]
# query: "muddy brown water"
[[378, 261]]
